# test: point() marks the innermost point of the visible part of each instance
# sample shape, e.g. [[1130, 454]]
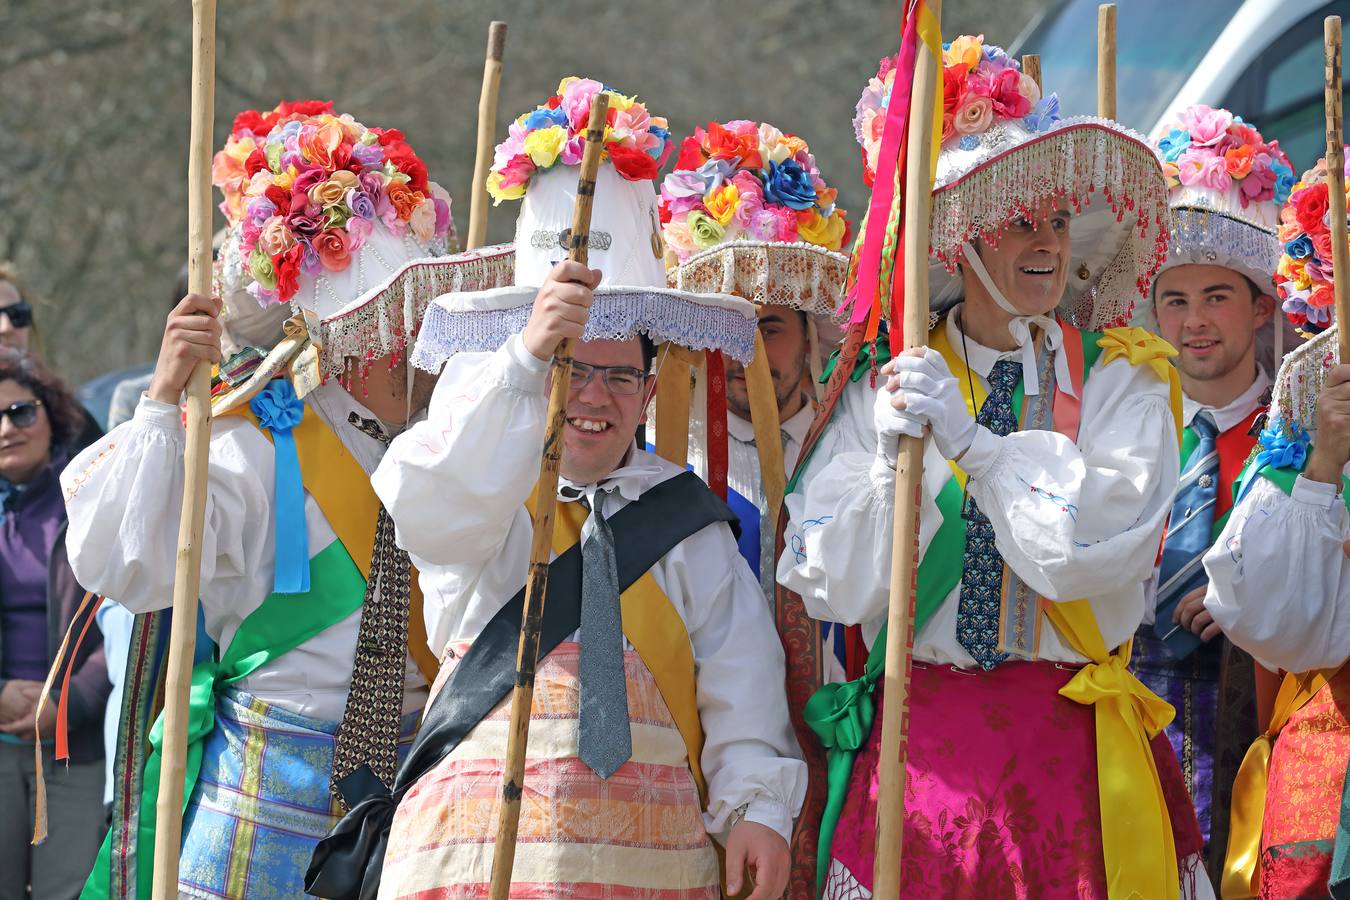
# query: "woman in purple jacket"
[[39, 423]]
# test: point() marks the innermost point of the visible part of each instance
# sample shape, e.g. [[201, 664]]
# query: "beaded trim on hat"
[[1210, 238], [389, 318], [614, 316], [1298, 384], [1008, 176], [799, 275]]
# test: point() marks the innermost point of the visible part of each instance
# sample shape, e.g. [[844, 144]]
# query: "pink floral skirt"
[[1001, 796]]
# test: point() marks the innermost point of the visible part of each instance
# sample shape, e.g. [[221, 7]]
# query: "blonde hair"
[[9, 272]]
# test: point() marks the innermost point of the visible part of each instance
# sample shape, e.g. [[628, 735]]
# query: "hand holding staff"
[[1340, 254], [487, 128], [908, 485], [187, 577], [522, 696]]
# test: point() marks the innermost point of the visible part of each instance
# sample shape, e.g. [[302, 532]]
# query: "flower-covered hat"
[[746, 212], [1226, 185], [1005, 152], [328, 215], [1303, 274], [625, 245]]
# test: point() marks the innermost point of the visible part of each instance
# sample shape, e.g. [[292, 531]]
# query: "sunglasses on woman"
[[20, 314], [23, 414]]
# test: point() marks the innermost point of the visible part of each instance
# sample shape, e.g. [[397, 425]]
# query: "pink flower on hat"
[[1208, 126], [1201, 169]]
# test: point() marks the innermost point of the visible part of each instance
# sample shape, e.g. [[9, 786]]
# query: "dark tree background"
[[94, 110]]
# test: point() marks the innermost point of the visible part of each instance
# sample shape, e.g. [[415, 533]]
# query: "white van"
[[1262, 59]]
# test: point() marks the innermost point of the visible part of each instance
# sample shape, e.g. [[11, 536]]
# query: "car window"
[[1152, 63], [1281, 91]]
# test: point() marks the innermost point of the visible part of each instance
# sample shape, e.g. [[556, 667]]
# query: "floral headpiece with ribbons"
[[1303, 276], [636, 143]]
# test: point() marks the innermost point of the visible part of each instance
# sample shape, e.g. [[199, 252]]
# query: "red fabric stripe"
[[717, 423], [1234, 446]]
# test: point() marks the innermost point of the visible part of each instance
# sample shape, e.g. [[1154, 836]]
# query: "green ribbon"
[[279, 625], [841, 714]]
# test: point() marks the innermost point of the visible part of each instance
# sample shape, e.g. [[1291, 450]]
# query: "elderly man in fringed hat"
[[659, 729], [1279, 587], [314, 684], [1036, 766]]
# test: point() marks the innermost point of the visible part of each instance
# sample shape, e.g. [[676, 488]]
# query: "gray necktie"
[[605, 742]]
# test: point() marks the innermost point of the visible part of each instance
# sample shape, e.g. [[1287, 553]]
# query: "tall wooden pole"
[[187, 575], [908, 486], [1106, 60], [546, 491], [1031, 65], [487, 129], [1340, 254], [767, 428]]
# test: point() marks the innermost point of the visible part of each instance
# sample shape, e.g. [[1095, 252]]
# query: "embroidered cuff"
[[772, 814], [985, 449], [524, 371], [164, 416]]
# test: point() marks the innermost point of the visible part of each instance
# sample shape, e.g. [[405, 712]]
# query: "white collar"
[[630, 479], [977, 356], [796, 426], [1236, 412], [334, 404]]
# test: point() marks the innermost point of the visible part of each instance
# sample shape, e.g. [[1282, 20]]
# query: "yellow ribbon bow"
[[1142, 348]]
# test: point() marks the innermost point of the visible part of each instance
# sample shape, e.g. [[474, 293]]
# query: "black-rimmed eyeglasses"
[[23, 414]]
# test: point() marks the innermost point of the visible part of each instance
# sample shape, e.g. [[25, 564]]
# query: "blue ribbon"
[[1282, 447], [279, 410]]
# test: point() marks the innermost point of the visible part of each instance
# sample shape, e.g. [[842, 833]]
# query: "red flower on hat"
[[408, 162], [287, 266], [723, 143], [280, 197], [255, 163], [691, 151], [303, 108], [632, 164], [1310, 207]]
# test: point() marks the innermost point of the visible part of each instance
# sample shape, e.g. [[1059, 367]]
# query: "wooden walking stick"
[[527, 657], [1340, 254], [1031, 65], [187, 575], [487, 129], [918, 201], [767, 429], [1106, 60]]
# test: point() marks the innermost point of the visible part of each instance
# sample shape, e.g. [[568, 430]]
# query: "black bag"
[[348, 862]]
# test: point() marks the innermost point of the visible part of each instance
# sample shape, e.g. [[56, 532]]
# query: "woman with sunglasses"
[[16, 314], [39, 424]]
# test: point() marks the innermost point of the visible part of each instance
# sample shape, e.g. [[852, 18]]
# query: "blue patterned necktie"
[[981, 599], [604, 741], [1190, 531]]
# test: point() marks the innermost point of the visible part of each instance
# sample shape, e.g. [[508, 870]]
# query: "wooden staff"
[[527, 656], [908, 487], [187, 574], [487, 129], [1340, 254], [1106, 60], [1031, 65]]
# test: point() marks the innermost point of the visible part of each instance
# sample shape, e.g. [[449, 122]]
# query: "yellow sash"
[[1242, 864], [342, 490], [1137, 845], [658, 634]]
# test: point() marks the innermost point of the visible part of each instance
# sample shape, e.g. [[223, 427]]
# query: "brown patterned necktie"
[[372, 721]]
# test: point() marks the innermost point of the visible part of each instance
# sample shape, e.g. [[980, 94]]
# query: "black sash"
[[347, 863]]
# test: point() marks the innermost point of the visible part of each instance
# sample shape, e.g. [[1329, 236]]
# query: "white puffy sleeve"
[[841, 517], [750, 756], [1279, 580], [1079, 520], [454, 481], [124, 496]]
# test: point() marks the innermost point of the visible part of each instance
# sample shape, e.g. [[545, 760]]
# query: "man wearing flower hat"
[[1210, 300], [314, 684], [652, 732], [1049, 467], [1278, 589], [736, 224]]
